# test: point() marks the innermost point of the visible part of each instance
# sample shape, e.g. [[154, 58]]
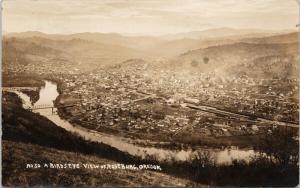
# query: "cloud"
[[146, 15]]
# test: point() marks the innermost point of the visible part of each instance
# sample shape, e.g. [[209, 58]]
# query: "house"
[[254, 128]]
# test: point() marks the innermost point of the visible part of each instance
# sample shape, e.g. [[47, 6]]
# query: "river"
[[49, 93]]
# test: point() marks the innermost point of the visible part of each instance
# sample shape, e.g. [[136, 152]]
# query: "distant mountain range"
[[223, 32], [163, 46], [36, 48], [202, 34], [225, 47]]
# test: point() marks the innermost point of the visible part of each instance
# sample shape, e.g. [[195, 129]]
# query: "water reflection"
[[227, 155]]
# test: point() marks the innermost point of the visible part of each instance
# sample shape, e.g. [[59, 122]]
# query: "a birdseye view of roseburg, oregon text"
[[150, 93]]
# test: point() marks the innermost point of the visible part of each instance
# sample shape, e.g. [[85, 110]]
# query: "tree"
[[280, 146], [205, 60]]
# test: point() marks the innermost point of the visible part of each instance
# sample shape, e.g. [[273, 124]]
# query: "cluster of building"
[[139, 97], [144, 98]]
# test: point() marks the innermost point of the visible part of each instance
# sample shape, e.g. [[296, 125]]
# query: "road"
[[240, 116], [213, 110]]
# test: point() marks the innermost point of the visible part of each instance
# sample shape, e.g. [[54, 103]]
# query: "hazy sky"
[[146, 16]]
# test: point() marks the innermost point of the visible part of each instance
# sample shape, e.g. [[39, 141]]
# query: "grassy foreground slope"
[[31, 138], [17, 155]]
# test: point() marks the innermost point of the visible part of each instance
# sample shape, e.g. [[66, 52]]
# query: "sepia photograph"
[[150, 93]]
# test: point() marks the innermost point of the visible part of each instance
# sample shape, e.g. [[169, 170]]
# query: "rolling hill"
[[226, 46], [277, 55], [39, 49]]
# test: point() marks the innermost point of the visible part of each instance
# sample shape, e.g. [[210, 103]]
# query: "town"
[[138, 99]]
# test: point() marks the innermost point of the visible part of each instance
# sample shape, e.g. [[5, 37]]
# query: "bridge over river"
[[13, 89], [47, 106]]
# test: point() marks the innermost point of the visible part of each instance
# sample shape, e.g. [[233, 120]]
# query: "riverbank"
[[159, 139]]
